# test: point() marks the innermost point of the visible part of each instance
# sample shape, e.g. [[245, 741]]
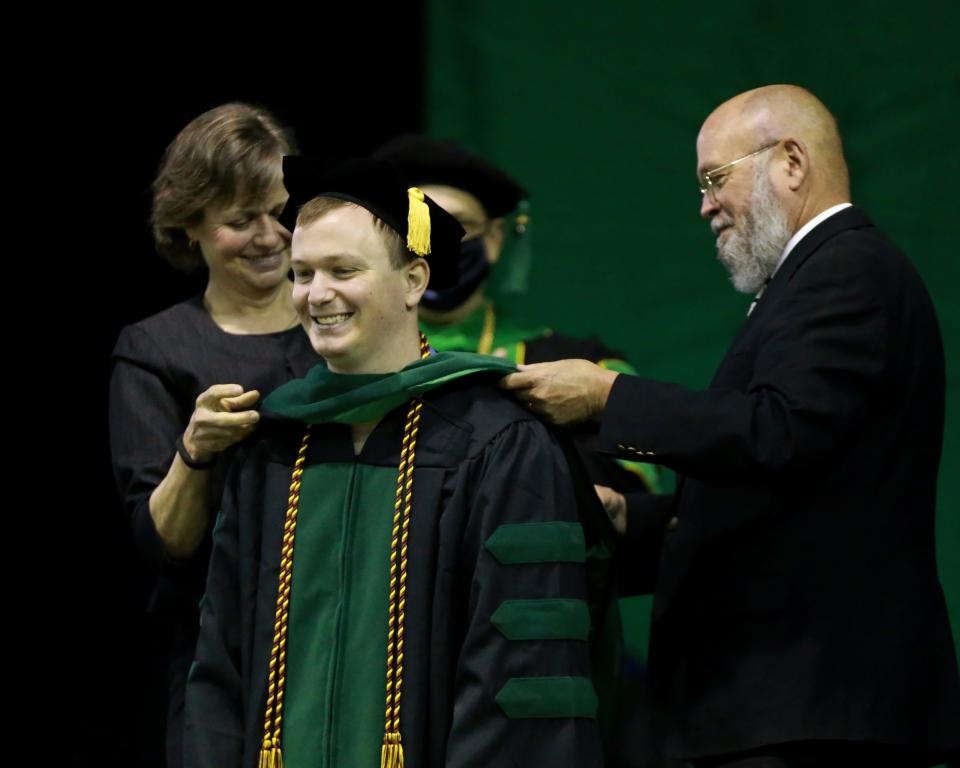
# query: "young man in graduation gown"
[[400, 568]]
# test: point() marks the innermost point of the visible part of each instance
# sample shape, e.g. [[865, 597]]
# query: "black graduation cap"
[[435, 161], [427, 229]]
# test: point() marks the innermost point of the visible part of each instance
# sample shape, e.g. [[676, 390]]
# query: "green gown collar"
[[323, 396]]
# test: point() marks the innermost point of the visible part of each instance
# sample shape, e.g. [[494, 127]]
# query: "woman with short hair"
[[185, 383]]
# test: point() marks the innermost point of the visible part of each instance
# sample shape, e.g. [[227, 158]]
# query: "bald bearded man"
[[798, 618]]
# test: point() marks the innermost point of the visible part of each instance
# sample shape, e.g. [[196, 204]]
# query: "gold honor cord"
[[391, 754], [270, 755]]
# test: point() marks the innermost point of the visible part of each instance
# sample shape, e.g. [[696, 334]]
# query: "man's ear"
[[796, 163], [417, 276]]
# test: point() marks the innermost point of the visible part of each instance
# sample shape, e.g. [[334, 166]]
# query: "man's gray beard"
[[752, 254]]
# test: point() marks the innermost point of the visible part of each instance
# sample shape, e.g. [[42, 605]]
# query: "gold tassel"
[[418, 223], [391, 753], [270, 757]]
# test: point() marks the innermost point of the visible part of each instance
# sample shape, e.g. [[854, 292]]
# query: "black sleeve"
[[816, 372], [214, 724], [522, 683], [624, 475], [555, 346], [145, 420], [639, 550]]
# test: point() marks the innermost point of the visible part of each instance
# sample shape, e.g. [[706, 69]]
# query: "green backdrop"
[[596, 111]]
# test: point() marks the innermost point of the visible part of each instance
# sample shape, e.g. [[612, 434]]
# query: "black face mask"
[[473, 268]]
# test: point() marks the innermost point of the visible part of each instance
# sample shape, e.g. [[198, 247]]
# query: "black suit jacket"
[[797, 594]]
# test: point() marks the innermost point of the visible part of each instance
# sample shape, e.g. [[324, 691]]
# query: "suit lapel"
[[849, 218]]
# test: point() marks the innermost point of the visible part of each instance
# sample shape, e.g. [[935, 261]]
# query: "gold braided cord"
[[270, 753], [392, 615], [414, 417], [391, 753]]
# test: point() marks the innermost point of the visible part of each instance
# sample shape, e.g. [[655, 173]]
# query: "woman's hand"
[[223, 416]]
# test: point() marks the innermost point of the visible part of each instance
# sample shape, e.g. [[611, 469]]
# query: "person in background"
[[466, 317]]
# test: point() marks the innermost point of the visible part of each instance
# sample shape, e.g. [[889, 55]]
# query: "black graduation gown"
[[497, 513]]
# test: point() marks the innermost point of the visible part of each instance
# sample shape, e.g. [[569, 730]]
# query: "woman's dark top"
[[159, 368]]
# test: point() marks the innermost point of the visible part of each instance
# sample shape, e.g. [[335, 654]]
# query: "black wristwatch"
[[189, 460]]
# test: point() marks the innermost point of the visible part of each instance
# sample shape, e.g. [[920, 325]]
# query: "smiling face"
[[359, 310], [743, 209], [245, 248], [728, 204], [751, 249]]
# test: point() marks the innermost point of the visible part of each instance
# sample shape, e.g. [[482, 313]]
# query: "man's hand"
[[564, 392], [223, 416], [615, 506]]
